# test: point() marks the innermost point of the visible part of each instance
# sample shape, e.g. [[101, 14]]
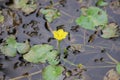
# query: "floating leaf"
[[50, 14], [101, 3], [26, 6], [52, 72], [94, 17], [1, 17], [23, 47], [8, 50], [41, 53], [118, 68], [110, 31]]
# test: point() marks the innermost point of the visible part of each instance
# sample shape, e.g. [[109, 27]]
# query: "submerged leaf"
[[52, 72], [23, 47], [26, 6], [1, 17], [111, 75], [110, 31], [93, 17], [41, 53], [118, 68], [50, 14]]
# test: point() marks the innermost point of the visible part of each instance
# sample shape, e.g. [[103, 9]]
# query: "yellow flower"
[[60, 34]]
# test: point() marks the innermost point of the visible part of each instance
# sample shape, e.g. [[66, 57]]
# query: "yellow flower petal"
[[60, 34]]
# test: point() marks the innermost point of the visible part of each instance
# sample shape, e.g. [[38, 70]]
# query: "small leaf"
[[11, 41], [41, 53], [8, 51], [52, 72], [1, 17], [101, 3], [23, 47], [110, 31], [92, 18], [50, 14], [118, 68]]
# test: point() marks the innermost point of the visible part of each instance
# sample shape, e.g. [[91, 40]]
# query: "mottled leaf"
[[26, 6], [52, 72], [110, 31], [23, 47], [50, 14], [41, 53], [92, 18]]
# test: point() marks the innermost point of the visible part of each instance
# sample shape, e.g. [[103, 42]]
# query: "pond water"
[[33, 28]]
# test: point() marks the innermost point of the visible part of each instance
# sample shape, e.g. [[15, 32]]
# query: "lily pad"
[[93, 18], [41, 53], [50, 14], [110, 31], [26, 6], [23, 47], [118, 68], [9, 47], [52, 72]]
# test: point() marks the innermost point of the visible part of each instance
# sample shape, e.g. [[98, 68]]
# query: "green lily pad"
[[8, 50], [92, 18], [52, 72], [41, 53], [101, 3], [118, 68], [110, 31], [23, 47], [50, 14], [9, 47], [26, 6]]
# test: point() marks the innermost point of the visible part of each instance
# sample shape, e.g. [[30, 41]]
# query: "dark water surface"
[[33, 28]]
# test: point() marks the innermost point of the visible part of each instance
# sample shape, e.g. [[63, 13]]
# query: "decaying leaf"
[[50, 14], [111, 75], [77, 47], [110, 31], [1, 17], [26, 6], [52, 72], [94, 17]]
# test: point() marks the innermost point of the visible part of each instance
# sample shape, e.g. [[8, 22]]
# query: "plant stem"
[[65, 60], [100, 66], [59, 48]]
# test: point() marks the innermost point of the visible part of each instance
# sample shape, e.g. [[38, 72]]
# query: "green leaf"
[[26, 6], [9, 47], [50, 14], [41, 53], [52, 72], [23, 47], [8, 50], [11, 41], [118, 68], [101, 3], [110, 31], [92, 18]]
